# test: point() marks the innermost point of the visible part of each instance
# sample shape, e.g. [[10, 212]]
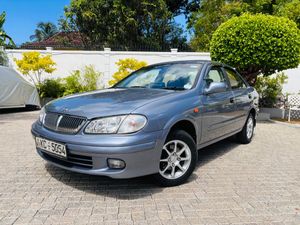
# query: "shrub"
[[51, 88], [3, 58], [33, 64], [81, 81], [126, 66], [257, 44], [270, 89]]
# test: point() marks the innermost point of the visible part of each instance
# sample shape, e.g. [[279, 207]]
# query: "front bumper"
[[89, 153]]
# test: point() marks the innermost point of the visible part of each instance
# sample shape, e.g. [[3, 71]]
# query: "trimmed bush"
[[51, 88], [257, 44], [270, 89]]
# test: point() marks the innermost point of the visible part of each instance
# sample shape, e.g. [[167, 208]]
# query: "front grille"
[[63, 123], [72, 160]]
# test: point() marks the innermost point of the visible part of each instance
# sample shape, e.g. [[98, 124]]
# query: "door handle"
[[231, 100]]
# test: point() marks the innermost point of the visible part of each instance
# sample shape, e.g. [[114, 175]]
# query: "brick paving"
[[233, 184]]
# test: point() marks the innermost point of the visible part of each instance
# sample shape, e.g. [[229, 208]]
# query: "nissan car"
[[153, 122]]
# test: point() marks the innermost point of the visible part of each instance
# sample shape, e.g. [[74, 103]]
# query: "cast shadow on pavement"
[[134, 188]]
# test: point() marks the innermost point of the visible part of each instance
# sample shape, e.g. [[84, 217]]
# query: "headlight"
[[116, 124], [42, 115]]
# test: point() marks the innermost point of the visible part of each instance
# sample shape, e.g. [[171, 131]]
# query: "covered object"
[[15, 91]]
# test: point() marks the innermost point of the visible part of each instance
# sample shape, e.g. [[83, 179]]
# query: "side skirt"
[[218, 139]]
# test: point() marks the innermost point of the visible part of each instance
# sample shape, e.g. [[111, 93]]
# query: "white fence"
[[104, 61]]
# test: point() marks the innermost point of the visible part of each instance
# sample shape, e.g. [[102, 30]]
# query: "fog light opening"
[[116, 163]]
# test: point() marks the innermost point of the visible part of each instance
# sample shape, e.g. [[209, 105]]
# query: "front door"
[[218, 109]]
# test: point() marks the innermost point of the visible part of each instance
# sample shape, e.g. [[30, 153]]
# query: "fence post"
[[49, 49], [173, 52], [107, 52]]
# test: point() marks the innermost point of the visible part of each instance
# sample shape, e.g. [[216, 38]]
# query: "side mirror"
[[215, 87]]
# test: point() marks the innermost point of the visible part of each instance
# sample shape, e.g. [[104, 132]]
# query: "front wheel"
[[178, 159]]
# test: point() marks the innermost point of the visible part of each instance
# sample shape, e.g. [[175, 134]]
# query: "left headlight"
[[116, 124], [42, 115]]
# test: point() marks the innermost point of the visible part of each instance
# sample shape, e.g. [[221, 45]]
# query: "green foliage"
[[126, 66], [290, 10], [212, 13], [257, 44], [270, 89], [33, 64], [5, 40], [82, 81], [51, 88], [3, 58], [43, 31], [127, 23]]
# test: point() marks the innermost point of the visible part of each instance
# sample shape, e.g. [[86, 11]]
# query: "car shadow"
[[28, 108], [127, 189], [211, 152], [134, 188]]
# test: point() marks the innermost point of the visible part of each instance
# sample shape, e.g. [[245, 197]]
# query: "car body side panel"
[[218, 114]]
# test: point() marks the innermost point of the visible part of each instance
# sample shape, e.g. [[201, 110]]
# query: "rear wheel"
[[245, 136], [178, 159]]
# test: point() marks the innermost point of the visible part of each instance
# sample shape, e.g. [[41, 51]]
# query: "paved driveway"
[[233, 184]]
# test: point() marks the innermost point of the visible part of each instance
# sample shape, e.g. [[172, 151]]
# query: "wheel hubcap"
[[175, 159], [250, 126]]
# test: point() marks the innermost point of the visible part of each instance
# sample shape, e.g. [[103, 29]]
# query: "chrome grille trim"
[[63, 123]]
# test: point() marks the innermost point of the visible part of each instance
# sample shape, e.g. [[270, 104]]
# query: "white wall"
[[104, 61]]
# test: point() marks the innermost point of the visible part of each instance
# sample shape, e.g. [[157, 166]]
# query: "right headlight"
[[124, 124]]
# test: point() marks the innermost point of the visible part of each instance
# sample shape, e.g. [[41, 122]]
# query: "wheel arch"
[[186, 125]]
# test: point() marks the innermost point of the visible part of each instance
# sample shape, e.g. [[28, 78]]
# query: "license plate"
[[51, 147]]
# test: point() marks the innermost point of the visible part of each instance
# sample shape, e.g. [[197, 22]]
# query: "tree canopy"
[[128, 23], [212, 13], [33, 64], [5, 39], [44, 31], [257, 44]]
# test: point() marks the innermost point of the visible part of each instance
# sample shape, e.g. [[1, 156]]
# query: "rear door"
[[242, 97], [218, 108]]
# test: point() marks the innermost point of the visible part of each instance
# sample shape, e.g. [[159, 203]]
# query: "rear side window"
[[235, 80]]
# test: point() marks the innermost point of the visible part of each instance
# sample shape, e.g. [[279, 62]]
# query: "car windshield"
[[178, 76]]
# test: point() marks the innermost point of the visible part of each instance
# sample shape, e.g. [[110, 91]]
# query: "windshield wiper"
[[137, 87], [174, 88]]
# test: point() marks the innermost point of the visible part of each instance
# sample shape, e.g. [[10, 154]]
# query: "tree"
[[4, 38], [33, 64], [257, 44], [212, 13], [43, 31], [290, 10], [126, 66], [125, 23], [178, 7]]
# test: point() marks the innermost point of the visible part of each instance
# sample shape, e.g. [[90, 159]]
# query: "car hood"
[[106, 102]]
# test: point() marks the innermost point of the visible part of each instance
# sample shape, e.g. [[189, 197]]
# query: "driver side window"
[[214, 75]]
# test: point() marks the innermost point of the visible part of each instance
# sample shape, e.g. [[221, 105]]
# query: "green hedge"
[[257, 44]]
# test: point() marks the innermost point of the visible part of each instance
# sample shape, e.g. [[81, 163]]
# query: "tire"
[[183, 163], [246, 134]]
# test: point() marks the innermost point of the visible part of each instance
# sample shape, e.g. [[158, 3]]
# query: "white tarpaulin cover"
[[15, 91]]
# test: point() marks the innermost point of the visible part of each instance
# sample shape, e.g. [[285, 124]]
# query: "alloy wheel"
[[175, 159]]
